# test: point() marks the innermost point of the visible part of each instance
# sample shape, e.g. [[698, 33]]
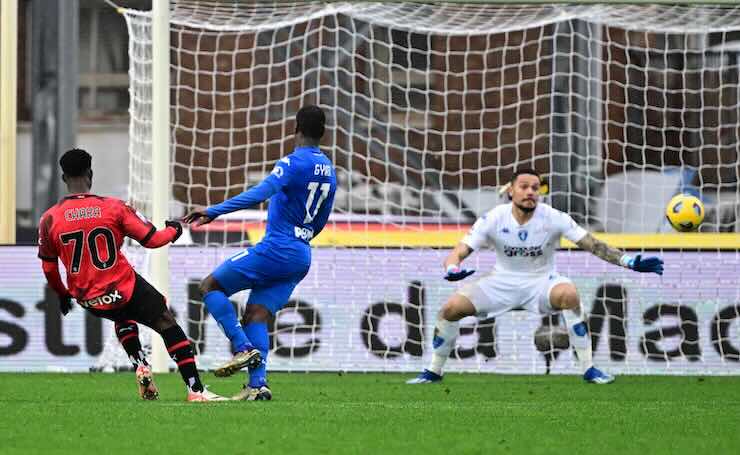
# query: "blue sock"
[[257, 332], [220, 308]]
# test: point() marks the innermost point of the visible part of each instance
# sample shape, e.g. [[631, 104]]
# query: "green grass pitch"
[[373, 413]]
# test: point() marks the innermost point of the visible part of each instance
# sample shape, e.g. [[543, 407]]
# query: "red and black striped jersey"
[[86, 232]]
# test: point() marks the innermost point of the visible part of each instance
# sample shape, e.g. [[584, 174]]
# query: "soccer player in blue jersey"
[[301, 191]]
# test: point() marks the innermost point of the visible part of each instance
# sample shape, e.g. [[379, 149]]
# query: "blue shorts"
[[271, 280]]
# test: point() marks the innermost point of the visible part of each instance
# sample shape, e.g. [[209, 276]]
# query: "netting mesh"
[[431, 108]]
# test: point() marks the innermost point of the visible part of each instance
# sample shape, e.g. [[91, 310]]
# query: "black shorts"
[[146, 305]]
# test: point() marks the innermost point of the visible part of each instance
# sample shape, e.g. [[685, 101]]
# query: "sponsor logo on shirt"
[[277, 172], [523, 251], [303, 233], [107, 299]]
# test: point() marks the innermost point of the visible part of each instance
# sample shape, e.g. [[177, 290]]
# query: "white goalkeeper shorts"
[[496, 294]]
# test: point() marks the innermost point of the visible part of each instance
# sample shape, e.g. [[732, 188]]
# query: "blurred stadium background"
[[667, 106]]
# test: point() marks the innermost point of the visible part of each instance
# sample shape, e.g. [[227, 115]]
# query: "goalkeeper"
[[301, 191], [525, 235]]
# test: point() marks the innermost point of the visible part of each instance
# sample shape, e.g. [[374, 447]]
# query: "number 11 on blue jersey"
[[312, 187]]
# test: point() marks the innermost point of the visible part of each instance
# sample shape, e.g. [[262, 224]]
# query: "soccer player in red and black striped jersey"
[[86, 232]]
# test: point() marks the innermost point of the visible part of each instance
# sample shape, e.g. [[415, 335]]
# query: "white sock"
[[579, 337], [445, 334]]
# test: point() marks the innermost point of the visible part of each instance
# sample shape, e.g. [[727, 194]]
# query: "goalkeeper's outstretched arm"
[[457, 255], [618, 257], [453, 261]]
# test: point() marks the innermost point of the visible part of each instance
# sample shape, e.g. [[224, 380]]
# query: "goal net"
[[431, 108]]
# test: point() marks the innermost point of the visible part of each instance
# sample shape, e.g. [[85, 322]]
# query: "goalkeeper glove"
[[650, 264], [65, 304], [455, 273], [177, 226]]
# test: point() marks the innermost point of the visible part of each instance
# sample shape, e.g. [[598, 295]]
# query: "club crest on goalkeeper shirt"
[[523, 249]]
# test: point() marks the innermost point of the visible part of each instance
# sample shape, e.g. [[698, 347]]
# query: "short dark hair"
[[75, 162], [310, 121], [524, 171]]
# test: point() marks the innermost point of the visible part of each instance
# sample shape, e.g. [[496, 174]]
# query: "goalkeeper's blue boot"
[[596, 376], [425, 377]]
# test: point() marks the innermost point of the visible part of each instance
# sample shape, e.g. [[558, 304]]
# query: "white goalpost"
[[431, 107], [160, 152]]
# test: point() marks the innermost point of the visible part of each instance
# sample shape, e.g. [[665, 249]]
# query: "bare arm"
[[452, 263], [457, 255], [601, 250], [650, 264], [476, 238]]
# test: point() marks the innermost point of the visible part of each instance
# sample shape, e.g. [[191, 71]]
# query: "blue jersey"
[[301, 189]]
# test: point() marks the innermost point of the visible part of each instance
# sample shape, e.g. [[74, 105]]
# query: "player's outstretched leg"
[[256, 388], [127, 332], [446, 331], [218, 304], [181, 351], [564, 296], [248, 358]]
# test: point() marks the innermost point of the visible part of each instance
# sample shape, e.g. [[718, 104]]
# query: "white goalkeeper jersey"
[[527, 249]]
